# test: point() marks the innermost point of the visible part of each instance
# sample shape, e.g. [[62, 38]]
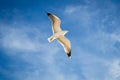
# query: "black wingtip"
[[69, 54], [48, 13]]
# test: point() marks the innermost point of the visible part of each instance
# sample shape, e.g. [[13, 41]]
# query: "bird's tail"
[[50, 39]]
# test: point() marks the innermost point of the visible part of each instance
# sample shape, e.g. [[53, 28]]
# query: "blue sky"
[[94, 32]]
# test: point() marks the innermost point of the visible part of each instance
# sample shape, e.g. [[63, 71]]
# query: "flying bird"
[[58, 34]]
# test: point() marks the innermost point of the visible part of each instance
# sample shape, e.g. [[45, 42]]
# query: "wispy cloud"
[[32, 47], [97, 35], [115, 69], [115, 36], [70, 9], [94, 55], [20, 40]]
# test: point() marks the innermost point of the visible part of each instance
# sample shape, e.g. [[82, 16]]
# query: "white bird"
[[59, 34]]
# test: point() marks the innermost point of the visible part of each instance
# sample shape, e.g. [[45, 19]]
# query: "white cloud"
[[97, 26], [81, 15], [22, 39], [96, 47], [70, 9], [35, 51], [90, 55], [92, 67], [115, 37], [113, 72], [115, 69]]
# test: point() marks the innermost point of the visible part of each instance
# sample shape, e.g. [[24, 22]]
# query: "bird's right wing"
[[55, 22], [66, 44]]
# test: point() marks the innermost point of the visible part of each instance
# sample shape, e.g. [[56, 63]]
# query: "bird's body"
[[58, 34]]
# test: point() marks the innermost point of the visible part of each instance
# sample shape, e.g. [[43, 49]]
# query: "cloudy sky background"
[[94, 32]]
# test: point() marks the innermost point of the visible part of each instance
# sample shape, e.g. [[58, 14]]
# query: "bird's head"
[[65, 31]]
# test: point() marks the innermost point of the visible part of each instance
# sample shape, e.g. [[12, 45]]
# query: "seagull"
[[58, 34]]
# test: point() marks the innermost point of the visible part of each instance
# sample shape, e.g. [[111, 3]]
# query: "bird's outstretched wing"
[[55, 22], [66, 44]]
